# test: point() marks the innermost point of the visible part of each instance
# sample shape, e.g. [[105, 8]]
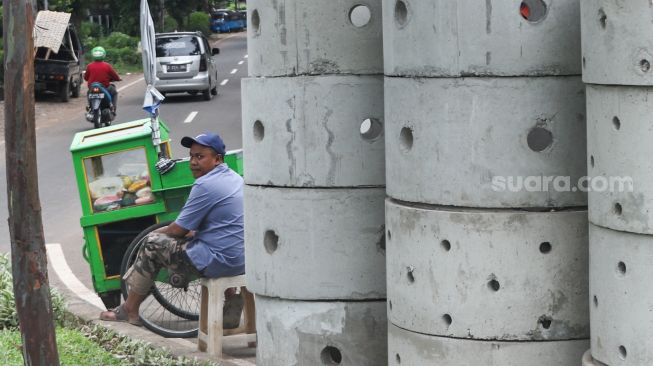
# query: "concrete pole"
[[617, 55], [485, 122], [313, 124]]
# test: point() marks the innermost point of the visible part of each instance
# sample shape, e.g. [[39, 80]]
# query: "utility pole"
[[28, 257]]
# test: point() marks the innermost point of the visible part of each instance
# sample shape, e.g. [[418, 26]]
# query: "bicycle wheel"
[[169, 311]]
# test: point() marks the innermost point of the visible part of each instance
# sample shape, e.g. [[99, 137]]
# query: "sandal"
[[119, 315]]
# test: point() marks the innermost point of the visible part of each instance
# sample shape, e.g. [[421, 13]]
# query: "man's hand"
[[173, 230]]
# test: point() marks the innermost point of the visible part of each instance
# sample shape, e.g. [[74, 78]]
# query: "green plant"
[[198, 21], [119, 40], [170, 24]]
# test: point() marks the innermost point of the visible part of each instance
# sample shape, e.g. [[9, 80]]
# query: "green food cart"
[[123, 194]]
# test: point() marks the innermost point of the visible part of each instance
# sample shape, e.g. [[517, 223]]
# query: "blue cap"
[[211, 140]]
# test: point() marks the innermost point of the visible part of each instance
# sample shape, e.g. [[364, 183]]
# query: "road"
[[56, 123]]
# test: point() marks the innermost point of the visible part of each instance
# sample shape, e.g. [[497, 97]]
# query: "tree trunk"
[[29, 262]]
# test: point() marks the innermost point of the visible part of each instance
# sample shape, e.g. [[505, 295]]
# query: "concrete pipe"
[[299, 333], [617, 42], [486, 142], [444, 38], [620, 297], [487, 274], [415, 349], [314, 37], [315, 244], [314, 131], [588, 360], [619, 149]]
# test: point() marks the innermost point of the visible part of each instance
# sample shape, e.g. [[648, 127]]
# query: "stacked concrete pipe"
[[617, 57], [479, 270], [315, 181]]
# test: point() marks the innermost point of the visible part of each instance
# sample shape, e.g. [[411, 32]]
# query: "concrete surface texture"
[[322, 132], [319, 244], [617, 47], [314, 37], [527, 271], [313, 141], [617, 52], [618, 134], [410, 348], [481, 271], [448, 139], [320, 333], [442, 38], [621, 297]]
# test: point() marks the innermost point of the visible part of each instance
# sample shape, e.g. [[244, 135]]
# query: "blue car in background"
[[224, 21]]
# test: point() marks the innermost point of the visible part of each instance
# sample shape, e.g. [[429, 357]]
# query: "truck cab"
[[59, 58]]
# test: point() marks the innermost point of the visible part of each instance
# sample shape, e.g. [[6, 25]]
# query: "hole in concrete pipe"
[[533, 10], [596, 301], [446, 245], [617, 208], [545, 247], [401, 13], [494, 285], [410, 275], [389, 235], [616, 123], [271, 241], [539, 139], [623, 353], [447, 319], [545, 321], [370, 129], [390, 305], [331, 356], [406, 139], [256, 21], [360, 16], [398, 358], [645, 65], [584, 62], [603, 18], [621, 268], [592, 161], [259, 131]]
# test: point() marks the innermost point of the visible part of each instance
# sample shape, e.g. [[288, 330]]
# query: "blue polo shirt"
[[214, 209]]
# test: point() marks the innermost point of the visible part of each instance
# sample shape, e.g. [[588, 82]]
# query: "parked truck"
[[58, 60]]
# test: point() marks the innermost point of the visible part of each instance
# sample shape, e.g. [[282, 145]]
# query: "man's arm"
[[173, 230], [114, 75]]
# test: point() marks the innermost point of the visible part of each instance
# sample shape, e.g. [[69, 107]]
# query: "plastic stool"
[[210, 332]]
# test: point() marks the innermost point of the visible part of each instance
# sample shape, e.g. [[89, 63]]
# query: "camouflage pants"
[[158, 251]]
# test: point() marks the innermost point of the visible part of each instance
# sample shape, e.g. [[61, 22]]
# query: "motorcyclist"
[[102, 72]]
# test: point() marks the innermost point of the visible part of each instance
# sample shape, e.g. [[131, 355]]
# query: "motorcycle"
[[99, 109]]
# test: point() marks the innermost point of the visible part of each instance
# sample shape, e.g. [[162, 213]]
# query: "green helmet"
[[98, 53]]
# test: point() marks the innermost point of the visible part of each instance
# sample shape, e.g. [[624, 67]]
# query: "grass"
[[74, 349], [79, 343]]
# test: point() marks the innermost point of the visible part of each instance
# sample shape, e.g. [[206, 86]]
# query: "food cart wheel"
[[170, 311]]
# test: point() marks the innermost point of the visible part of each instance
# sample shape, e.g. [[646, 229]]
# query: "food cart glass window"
[[118, 180]]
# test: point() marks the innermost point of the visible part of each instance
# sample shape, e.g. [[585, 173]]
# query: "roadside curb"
[[177, 347]]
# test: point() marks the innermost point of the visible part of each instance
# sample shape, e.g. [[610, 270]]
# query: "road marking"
[[241, 62], [190, 117], [224, 82], [130, 84], [234, 71], [61, 268]]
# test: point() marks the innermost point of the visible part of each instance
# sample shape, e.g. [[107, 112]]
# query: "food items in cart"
[[141, 183], [107, 203], [105, 186]]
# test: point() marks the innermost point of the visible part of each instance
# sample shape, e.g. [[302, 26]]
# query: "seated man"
[[213, 215]]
